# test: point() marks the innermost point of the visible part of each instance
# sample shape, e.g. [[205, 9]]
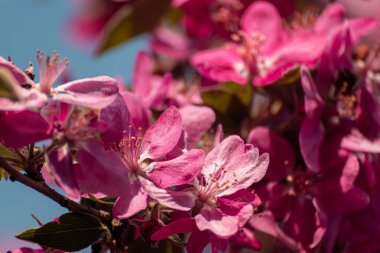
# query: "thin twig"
[[37, 220], [20, 155], [31, 151], [46, 151], [52, 194]]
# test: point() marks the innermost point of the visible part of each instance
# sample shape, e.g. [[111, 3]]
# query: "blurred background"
[[28, 25]]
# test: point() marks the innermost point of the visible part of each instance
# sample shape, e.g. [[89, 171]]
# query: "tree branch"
[[52, 194]]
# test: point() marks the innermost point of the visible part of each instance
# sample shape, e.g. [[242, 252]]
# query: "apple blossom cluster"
[[247, 125]]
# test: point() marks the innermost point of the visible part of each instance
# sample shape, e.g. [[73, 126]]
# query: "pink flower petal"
[[139, 113], [27, 99], [332, 17], [169, 43], [229, 206], [198, 240], [222, 154], [163, 135], [158, 92], [61, 165], [304, 49], [354, 199], [101, 171], [263, 18], [349, 173], [311, 138], [222, 225], [280, 152], [240, 203], [368, 112], [196, 120], [244, 215], [245, 238], [180, 170], [361, 27], [313, 100], [132, 200], [266, 223], [179, 226], [179, 200], [322, 225], [142, 74], [218, 244], [331, 196], [219, 135], [16, 134], [116, 116], [221, 64], [29, 250], [355, 141], [95, 93]]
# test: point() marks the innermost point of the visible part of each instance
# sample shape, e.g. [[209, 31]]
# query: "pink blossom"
[[292, 201], [137, 166], [95, 93], [219, 18], [223, 204], [71, 126], [170, 43], [267, 50], [228, 168], [309, 202]]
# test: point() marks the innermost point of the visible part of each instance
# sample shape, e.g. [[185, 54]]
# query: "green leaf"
[[7, 154], [242, 92], [132, 20], [3, 174], [221, 96], [75, 231], [217, 99], [8, 85], [105, 204], [290, 77]]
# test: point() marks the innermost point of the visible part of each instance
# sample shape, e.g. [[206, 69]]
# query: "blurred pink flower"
[[267, 50]]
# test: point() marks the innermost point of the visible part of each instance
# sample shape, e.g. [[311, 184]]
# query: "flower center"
[[81, 127], [215, 183], [249, 48], [300, 183], [130, 147], [345, 96]]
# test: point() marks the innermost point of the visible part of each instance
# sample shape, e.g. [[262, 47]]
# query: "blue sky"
[[25, 26]]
